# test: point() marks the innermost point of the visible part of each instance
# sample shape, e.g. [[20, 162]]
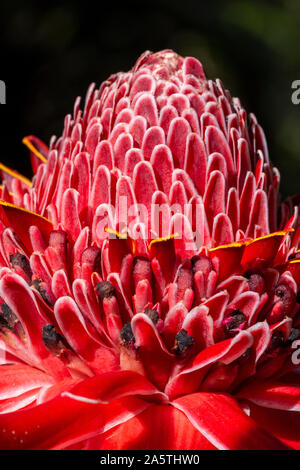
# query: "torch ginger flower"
[[149, 275]]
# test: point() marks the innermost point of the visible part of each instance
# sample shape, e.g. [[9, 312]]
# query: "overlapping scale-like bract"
[[150, 263]]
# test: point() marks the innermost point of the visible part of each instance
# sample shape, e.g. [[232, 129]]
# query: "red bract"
[[149, 281]]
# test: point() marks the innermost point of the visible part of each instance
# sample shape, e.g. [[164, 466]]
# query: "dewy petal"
[[40, 427], [189, 380], [19, 402], [271, 394], [219, 418], [284, 425], [115, 385], [79, 411], [156, 428], [16, 379]]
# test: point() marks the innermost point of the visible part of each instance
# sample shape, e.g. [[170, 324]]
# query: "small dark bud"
[[126, 335], [286, 296], [279, 292], [7, 318], [105, 290], [294, 334], [201, 263], [256, 281], [152, 314], [277, 340], [234, 320], [183, 342], [244, 357], [38, 285], [21, 261], [53, 341]]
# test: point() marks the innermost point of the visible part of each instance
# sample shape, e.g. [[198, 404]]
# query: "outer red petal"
[[80, 413], [219, 418], [189, 379], [62, 422], [157, 428], [19, 402], [20, 220], [17, 379], [285, 425], [156, 360], [272, 395]]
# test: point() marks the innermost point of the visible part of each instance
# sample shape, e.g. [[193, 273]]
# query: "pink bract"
[[150, 275]]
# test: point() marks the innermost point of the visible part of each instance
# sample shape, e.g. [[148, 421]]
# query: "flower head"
[[150, 277]]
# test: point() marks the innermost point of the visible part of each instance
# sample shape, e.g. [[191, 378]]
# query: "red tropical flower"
[[150, 278]]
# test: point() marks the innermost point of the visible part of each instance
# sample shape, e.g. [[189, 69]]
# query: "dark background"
[[50, 54]]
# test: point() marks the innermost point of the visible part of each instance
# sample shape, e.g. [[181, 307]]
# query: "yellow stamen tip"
[[29, 145], [14, 174], [163, 239], [114, 232]]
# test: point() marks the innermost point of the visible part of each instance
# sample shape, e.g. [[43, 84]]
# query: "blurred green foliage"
[[49, 55]]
